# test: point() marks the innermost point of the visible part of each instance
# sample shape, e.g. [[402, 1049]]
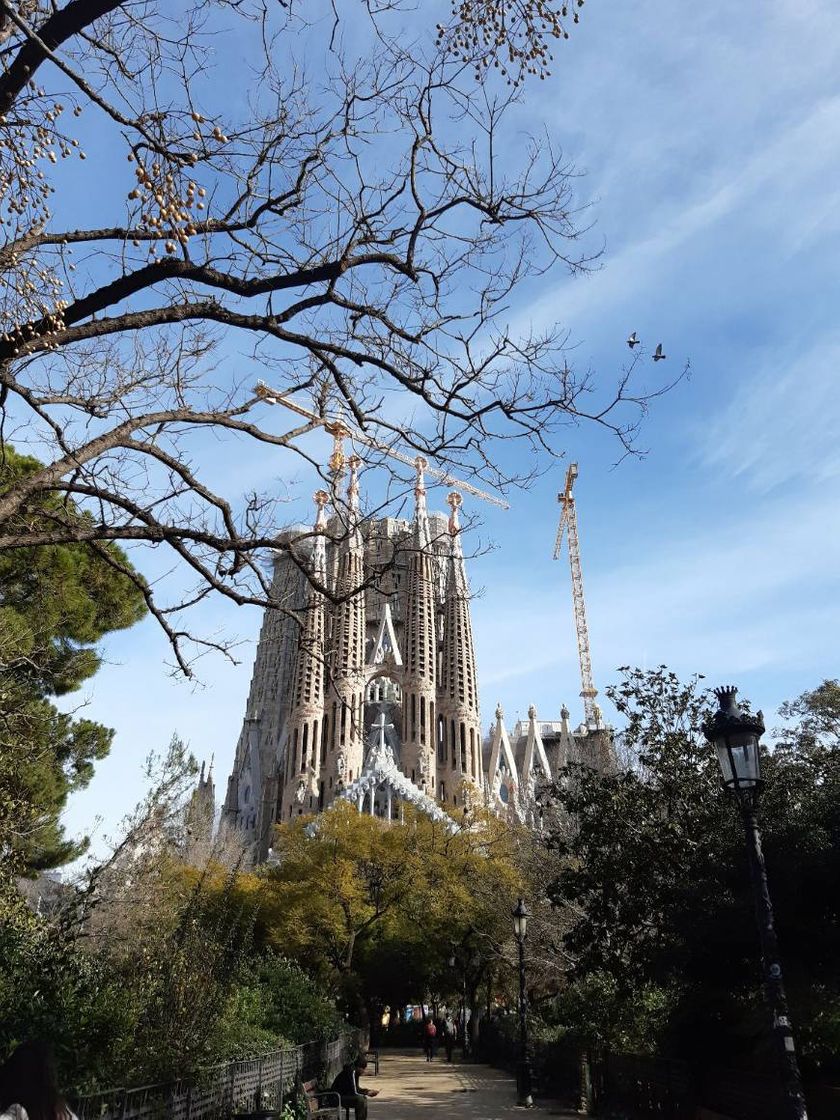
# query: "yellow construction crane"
[[568, 521], [341, 431]]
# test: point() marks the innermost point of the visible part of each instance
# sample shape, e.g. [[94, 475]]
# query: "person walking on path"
[[28, 1087], [448, 1037], [348, 1088], [429, 1039]]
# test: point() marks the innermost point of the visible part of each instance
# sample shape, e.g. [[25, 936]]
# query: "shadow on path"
[[410, 1088]]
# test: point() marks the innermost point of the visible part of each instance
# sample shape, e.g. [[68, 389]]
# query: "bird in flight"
[[632, 340], [658, 356]]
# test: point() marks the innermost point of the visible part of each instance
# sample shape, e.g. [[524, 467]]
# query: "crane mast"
[[568, 526]]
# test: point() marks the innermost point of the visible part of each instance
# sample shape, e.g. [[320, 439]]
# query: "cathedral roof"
[[381, 770]]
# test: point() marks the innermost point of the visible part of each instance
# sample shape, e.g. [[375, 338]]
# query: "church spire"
[[421, 538], [305, 722], [319, 548], [353, 490], [419, 732], [459, 690], [344, 716], [501, 770]]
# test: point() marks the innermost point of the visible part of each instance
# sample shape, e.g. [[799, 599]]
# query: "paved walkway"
[[410, 1088]]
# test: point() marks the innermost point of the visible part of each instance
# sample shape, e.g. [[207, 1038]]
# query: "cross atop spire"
[[422, 538], [420, 465], [319, 554], [454, 501], [354, 462], [337, 459], [321, 497]]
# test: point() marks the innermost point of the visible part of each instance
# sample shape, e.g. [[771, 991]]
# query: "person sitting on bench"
[[348, 1088]]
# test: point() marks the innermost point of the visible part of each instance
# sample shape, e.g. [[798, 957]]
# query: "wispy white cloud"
[[733, 587], [794, 162], [709, 134], [781, 424], [726, 596]]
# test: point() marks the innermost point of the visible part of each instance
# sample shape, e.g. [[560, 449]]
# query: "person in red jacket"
[[429, 1038]]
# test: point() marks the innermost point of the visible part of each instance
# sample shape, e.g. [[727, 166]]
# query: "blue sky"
[[710, 139]]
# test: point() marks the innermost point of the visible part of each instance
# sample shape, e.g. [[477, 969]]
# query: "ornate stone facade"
[[365, 684]]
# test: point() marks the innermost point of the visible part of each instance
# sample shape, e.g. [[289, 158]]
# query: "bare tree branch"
[[363, 230]]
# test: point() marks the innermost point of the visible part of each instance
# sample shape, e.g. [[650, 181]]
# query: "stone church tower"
[[365, 685], [460, 722], [391, 637], [420, 652]]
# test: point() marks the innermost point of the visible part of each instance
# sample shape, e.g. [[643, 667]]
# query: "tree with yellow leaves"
[[378, 909]]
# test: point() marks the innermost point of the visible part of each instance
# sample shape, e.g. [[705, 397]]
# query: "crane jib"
[[339, 430]]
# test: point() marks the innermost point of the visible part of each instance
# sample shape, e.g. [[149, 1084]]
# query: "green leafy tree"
[[653, 881], [279, 998], [376, 910], [56, 603]]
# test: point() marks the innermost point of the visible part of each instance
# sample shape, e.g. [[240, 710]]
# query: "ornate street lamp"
[[523, 1070], [735, 736]]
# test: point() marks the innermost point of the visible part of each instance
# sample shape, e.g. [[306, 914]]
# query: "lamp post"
[[523, 1069], [735, 736]]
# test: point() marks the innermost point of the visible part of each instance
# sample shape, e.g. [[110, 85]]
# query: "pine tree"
[[56, 603]]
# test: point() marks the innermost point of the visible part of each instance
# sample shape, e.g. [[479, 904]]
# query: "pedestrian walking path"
[[410, 1088]]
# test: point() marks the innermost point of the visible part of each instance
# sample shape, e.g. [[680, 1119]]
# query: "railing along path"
[[220, 1091]]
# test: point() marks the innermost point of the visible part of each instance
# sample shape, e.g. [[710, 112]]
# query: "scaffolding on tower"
[[568, 527]]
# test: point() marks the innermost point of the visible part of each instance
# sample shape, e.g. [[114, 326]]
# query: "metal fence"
[[221, 1091], [642, 1086], [555, 1066]]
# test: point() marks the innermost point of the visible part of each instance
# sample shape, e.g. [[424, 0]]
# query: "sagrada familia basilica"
[[365, 686]]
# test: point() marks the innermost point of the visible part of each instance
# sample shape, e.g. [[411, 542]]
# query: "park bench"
[[316, 1101]]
